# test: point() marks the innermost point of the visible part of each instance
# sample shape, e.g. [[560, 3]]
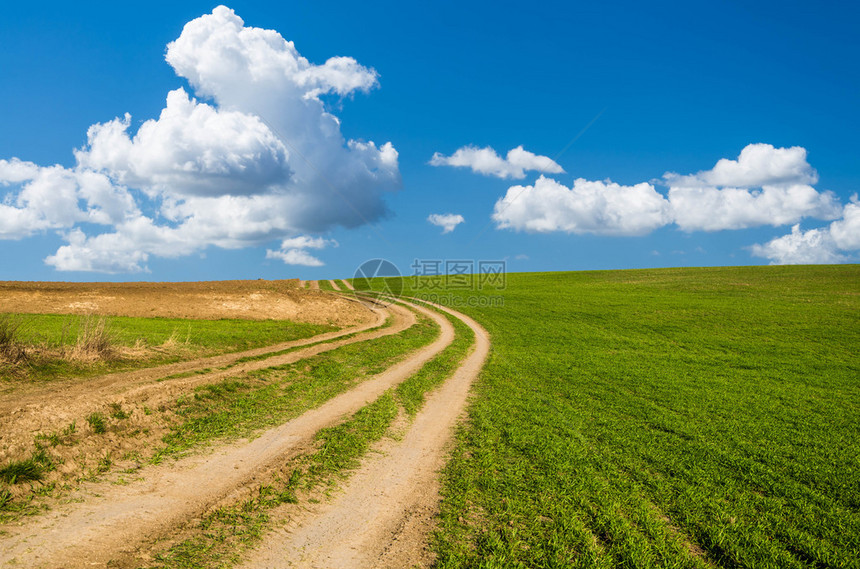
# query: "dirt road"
[[384, 514], [334, 285], [118, 524], [50, 407]]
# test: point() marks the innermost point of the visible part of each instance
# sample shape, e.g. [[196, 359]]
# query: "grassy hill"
[[662, 418]]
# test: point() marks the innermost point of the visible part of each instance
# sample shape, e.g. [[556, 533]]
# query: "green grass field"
[[662, 418], [168, 339]]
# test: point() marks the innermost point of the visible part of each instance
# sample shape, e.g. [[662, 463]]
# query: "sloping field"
[[254, 300], [194, 463], [662, 418], [658, 418]]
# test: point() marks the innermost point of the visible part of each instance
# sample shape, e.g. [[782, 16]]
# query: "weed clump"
[[118, 413], [94, 342], [97, 423], [11, 349], [21, 471]]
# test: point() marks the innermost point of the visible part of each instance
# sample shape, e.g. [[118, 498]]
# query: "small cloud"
[[487, 162], [292, 251], [447, 221], [306, 242]]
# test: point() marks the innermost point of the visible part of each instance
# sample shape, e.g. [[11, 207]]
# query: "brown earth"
[[253, 300], [110, 525]]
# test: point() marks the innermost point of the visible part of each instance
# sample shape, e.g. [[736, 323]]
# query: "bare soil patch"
[[253, 300]]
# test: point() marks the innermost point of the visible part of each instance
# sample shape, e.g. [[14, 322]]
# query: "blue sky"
[[672, 88]]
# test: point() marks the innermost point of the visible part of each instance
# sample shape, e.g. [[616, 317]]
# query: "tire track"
[[115, 524], [385, 512], [53, 406]]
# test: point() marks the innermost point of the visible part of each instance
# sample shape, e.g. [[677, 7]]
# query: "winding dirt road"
[[39, 409], [384, 514], [119, 524]]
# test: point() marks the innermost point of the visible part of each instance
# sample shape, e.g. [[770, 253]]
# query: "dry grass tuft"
[[11, 350], [94, 342]]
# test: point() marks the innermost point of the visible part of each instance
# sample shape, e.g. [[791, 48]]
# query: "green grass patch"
[[275, 395], [326, 285], [411, 393], [386, 324], [22, 471], [662, 418], [49, 342], [97, 422], [117, 412]]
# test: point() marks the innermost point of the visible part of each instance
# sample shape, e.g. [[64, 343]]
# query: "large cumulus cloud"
[[252, 155]]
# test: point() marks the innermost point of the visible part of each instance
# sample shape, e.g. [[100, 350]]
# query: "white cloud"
[[602, 208], [846, 231], [832, 244], [815, 246], [764, 186], [292, 251], [757, 165], [447, 221], [306, 242], [264, 160], [335, 181], [106, 253], [486, 161], [219, 56], [295, 257], [713, 209], [192, 149], [693, 203], [57, 198]]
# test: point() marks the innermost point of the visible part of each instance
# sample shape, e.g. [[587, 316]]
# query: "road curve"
[[50, 407], [385, 512], [116, 523]]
